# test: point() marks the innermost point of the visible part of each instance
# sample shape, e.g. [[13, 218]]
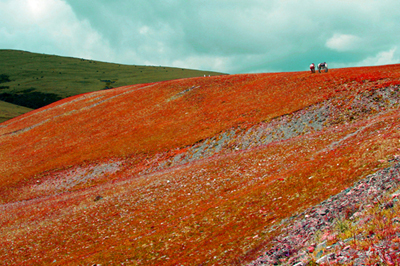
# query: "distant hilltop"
[[31, 80]]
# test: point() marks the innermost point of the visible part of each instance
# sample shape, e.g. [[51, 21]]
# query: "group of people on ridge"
[[321, 66]]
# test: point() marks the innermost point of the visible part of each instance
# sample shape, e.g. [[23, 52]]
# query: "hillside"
[[205, 171], [34, 80], [9, 110]]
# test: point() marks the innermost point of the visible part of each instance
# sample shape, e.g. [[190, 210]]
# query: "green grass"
[[39, 79], [9, 110]]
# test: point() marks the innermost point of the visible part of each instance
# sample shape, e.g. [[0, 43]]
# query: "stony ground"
[[314, 118], [296, 244]]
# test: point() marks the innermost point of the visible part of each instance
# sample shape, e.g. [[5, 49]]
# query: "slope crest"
[[216, 162]]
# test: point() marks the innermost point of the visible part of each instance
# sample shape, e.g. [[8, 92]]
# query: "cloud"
[[382, 58], [215, 63], [230, 36], [343, 42], [49, 26], [237, 37]]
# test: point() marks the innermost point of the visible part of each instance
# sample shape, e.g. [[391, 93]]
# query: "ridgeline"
[[31, 80]]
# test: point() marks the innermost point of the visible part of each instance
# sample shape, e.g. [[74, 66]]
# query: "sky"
[[230, 36]]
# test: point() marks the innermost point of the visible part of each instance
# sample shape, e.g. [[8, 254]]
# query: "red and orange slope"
[[55, 161]]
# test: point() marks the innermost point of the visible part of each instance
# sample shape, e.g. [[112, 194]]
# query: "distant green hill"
[[34, 80]]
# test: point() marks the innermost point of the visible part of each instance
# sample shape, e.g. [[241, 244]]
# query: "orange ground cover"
[[218, 210]]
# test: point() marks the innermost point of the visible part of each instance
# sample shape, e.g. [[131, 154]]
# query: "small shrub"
[[4, 78]]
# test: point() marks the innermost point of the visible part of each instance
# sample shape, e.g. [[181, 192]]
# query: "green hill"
[[34, 80]]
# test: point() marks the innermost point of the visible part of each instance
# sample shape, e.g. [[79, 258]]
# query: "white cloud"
[[49, 26], [343, 42], [215, 63], [230, 36], [382, 58], [388, 57]]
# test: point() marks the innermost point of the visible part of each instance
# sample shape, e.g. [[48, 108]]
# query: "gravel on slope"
[[311, 119], [295, 242]]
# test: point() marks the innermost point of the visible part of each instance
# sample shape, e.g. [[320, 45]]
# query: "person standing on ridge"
[[312, 68], [323, 65]]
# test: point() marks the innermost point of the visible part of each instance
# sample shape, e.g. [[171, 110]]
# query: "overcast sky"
[[230, 36]]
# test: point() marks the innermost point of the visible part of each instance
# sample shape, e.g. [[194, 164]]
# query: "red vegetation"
[[219, 210]]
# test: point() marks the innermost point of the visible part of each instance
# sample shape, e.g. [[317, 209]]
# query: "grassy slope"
[[216, 210], [65, 76], [8, 111]]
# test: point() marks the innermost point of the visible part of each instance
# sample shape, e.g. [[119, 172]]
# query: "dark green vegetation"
[[29, 98], [34, 80]]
